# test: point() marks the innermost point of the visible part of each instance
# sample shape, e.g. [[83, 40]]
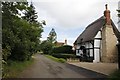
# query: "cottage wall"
[[89, 48], [97, 48], [109, 40], [78, 50]]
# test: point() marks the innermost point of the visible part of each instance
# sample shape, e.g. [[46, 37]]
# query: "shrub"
[[65, 56], [62, 49], [20, 34], [62, 60], [46, 47]]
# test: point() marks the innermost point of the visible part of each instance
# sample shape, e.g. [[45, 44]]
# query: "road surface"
[[47, 68]]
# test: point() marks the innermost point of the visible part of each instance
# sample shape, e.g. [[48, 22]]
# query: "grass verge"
[[56, 59], [115, 75], [13, 68]]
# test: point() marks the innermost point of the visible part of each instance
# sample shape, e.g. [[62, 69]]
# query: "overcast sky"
[[70, 17]]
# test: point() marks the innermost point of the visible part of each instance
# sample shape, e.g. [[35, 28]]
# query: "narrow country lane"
[[46, 68]]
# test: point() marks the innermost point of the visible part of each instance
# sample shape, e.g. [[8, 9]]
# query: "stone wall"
[[109, 48]]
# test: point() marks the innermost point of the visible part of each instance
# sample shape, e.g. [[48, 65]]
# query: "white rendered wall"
[[91, 52], [88, 45], [96, 55], [97, 45], [97, 50], [77, 46], [98, 35], [77, 52]]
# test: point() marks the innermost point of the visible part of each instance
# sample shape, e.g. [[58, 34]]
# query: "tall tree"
[[20, 35], [52, 36], [30, 14], [10, 17], [46, 47]]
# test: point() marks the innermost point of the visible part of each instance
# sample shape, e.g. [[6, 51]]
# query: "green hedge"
[[63, 49], [65, 56]]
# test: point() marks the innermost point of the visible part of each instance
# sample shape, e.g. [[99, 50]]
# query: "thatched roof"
[[91, 31]]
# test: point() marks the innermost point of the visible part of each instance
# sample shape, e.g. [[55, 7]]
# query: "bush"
[[65, 56], [20, 34], [62, 60], [6, 53], [46, 47], [63, 49]]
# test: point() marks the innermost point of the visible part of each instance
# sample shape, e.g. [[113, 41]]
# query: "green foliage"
[[52, 36], [6, 52], [30, 14], [63, 49], [64, 56], [46, 47], [62, 60], [56, 59], [115, 75], [13, 68], [20, 34]]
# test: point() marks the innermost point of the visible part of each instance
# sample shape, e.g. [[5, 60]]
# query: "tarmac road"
[[47, 68]]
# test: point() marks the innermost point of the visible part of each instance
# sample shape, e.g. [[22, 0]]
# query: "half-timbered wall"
[[89, 49], [78, 49], [97, 47], [92, 48]]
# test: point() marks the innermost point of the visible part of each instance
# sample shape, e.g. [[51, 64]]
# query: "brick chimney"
[[109, 40], [107, 15], [65, 41]]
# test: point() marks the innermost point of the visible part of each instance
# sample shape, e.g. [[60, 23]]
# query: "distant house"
[[97, 43], [61, 43]]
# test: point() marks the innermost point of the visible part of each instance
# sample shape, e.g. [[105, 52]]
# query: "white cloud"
[[73, 13]]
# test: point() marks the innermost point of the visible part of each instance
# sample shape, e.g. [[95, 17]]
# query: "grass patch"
[[56, 59], [115, 75], [13, 68]]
